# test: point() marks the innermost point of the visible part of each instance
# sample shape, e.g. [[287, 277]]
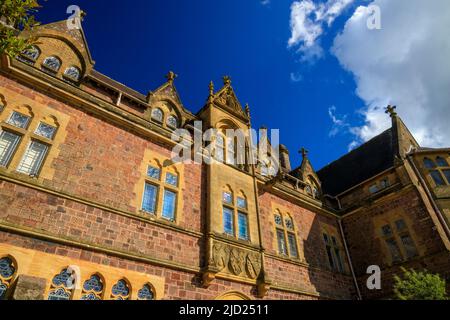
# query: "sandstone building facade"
[[88, 187]]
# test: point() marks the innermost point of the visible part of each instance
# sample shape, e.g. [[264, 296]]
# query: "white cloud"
[[339, 122], [406, 63], [265, 2], [308, 20], [296, 77]]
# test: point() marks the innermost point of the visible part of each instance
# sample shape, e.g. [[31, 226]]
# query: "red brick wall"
[[366, 250]]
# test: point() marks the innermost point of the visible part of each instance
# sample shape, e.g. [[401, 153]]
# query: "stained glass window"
[[394, 250], [387, 231], [18, 120], [92, 288], [241, 203], [3, 290], [61, 286], [32, 54], [227, 197], [149, 201], [8, 144], [169, 201], [437, 177], [7, 268], [45, 130], [292, 245], [32, 159], [121, 291], [73, 73], [289, 224], [278, 220], [52, 63], [228, 224], [447, 175], [157, 114], [243, 225], [400, 225], [172, 121], [281, 242], [172, 179], [146, 293], [441, 162], [429, 164], [154, 172], [409, 246]]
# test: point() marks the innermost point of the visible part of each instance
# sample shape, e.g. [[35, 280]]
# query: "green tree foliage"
[[419, 286], [16, 15]]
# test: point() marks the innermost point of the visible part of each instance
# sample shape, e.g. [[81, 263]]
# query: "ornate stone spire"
[[304, 153], [227, 80], [247, 110]]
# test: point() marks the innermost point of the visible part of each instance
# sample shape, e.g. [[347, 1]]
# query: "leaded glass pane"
[[121, 290], [32, 159], [52, 63], [394, 250], [325, 238], [339, 263], [400, 225], [441, 162], [90, 296], [157, 115], [386, 230], [6, 268], [146, 293], [93, 284], [227, 197], [330, 257], [243, 226], [289, 223], [447, 175], [241, 203], [409, 246], [278, 220], [73, 73], [45, 130], [334, 241], [154, 172], [429, 164], [8, 144], [3, 289], [437, 177], [169, 201], [172, 121], [172, 179], [32, 53], [59, 294], [281, 242], [18, 120], [228, 225], [292, 245], [149, 200], [62, 279]]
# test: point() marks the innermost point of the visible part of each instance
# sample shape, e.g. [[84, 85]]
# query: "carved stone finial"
[[171, 76], [391, 111], [211, 88], [247, 110], [304, 153], [82, 15], [227, 80]]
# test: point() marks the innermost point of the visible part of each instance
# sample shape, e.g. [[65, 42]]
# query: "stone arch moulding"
[[233, 295]]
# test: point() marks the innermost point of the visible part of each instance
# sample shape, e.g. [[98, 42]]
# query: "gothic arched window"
[[172, 122], [220, 148], [157, 114], [7, 270], [286, 235], [121, 290], [61, 287], [441, 162], [73, 73], [146, 293], [93, 288], [52, 63]]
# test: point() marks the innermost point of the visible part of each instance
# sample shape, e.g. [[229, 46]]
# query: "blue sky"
[[137, 42]]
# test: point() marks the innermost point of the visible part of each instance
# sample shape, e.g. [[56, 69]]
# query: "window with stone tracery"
[[62, 286], [286, 235], [7, 272]]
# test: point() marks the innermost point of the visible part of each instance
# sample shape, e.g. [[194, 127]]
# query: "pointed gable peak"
[[168, 89], [226, 99], [403, 140]]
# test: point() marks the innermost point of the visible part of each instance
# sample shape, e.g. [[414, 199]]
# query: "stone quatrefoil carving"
[[236, 261]]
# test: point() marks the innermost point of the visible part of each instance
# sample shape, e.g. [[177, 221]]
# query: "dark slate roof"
[[117, 85], [368, 160]]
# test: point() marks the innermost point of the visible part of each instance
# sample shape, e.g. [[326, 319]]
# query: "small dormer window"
[[157, 114], [73, 73], [172, 122]]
